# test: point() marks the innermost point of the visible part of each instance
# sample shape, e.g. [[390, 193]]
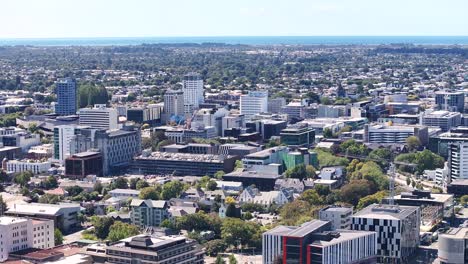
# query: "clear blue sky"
[[137, 18]]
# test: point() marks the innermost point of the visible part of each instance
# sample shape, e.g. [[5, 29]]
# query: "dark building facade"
[[79, 165]]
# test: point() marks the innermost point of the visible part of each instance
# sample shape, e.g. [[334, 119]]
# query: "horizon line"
[[231, 36]]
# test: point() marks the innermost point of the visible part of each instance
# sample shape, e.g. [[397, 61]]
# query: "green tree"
[[464, 200], [408, 180], [235, 231], [120, 183], [58, 237], [51, 182], [297, 172], [219, 175], [3, 206], [239, 164], [150, 193], [312, 197], [172, 189], [102, 226], [142, 184], [371, 199], [327, 159], [98, 187], [219, 260], [232, 259], [352, 192], [49, 199], [211, 185], [413, 143], [74, 190], [327, 133], [120, 230], [23, 178], [90, 94], [214, 247]]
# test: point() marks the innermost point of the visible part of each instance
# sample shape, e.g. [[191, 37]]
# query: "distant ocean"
[[277, 40]]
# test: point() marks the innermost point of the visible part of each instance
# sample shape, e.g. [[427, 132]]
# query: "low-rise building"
[[148, 249], [266, 199], [339, 217], [35, 166], [299, 135], [183, 163], [80, 165], [124, 193], [313, 242], [64, 215]]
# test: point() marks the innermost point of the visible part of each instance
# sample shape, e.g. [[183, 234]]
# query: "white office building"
[[22, 233], [255, 102], [458, 160], [339, 217], [173, 105], [192, 86], [35, 166], [99, 117], [232, 121], [62, 138]]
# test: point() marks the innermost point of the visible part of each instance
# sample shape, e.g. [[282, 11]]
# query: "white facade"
[[99, 117], [458, 160], [251, 195], [22, 233], [232, 121], [339, 217], [255, 102], [192, 86], [62, 138], [272, 244], [35, 166], [173, 104]]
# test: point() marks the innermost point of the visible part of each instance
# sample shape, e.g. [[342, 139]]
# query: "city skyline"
[[179, 18]]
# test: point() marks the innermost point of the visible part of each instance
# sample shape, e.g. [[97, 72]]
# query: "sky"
[[165, 18]]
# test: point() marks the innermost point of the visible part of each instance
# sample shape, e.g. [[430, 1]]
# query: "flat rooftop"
[[458, 233], [307, 228], [185, 157], [7, 220], [345, 235], [376, 211], [252, 174]]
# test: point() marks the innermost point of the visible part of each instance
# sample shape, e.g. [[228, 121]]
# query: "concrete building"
[[339, 217], [24, 140], [276, 104], [99, 117], [184, 135], [298, 135], [295, 110], [173, 106], [380, 133], [331, 111], [255, 102], [445, 120], [458, 160], [35, 166], [124, 193], [266, 199], [118, 148], [66, 97], [63, 136], [453, 246], [192, 87], [452, 101], [313, 242], [24, 233], [147, 213], [231, 121], [80, 165], [148, 249], [162, 163], [434, 207], [397, 230], [268, 161], [64, 215], [147, 114]]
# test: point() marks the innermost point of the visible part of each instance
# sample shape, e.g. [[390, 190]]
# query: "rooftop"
[[252, 174], [376, 211], [185, 157], [38, 208], [457, 233], [7, 220]]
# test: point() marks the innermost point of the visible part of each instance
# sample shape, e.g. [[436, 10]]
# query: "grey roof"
[[307, 228], [281, 230], [42, 209], [376, 211], [253, 174], [149, 203]]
